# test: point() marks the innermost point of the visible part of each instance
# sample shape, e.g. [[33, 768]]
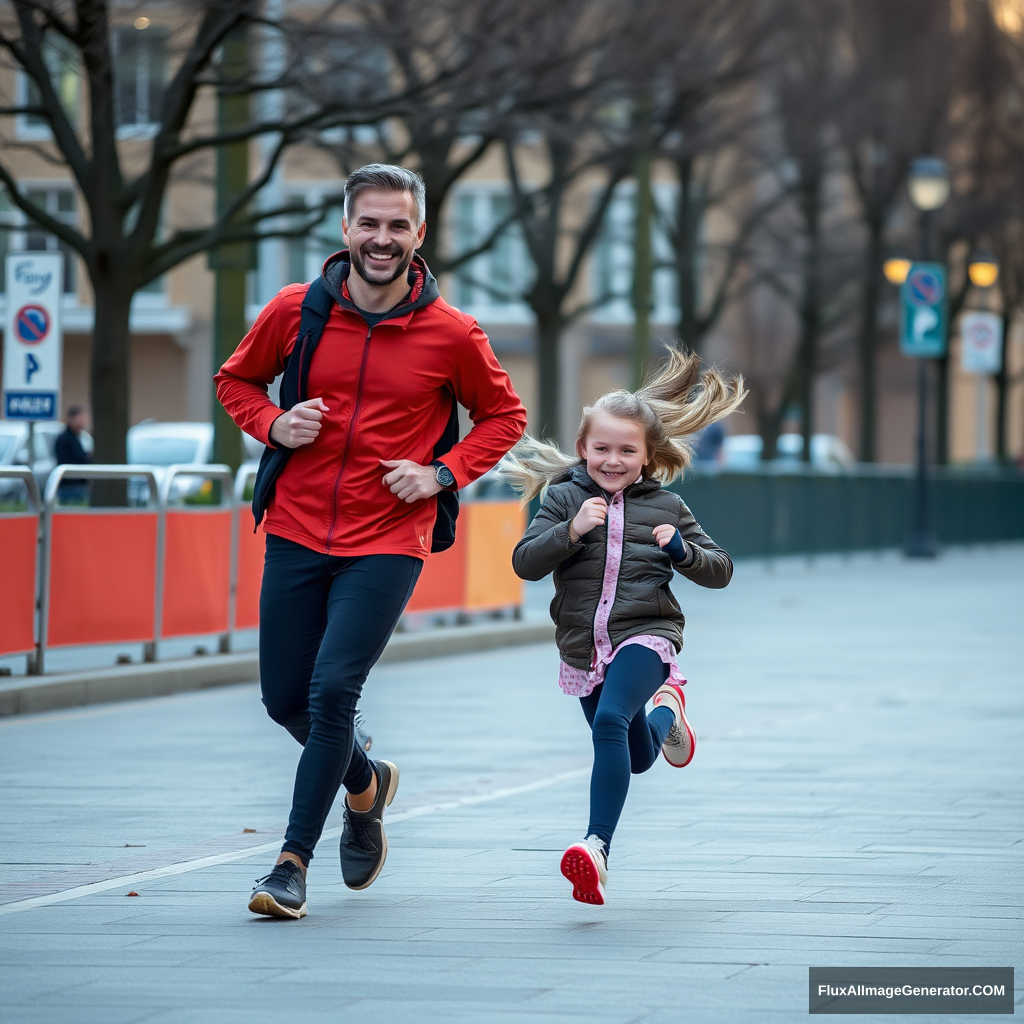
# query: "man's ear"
[[421, 233], [344, 231]]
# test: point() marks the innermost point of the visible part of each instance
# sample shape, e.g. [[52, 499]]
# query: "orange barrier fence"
[[475, 573], [143, 574], [99, 566], [195, 561], [19, 531]]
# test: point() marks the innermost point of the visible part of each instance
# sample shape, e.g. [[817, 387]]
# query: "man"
[[350, 515], [69, 451]]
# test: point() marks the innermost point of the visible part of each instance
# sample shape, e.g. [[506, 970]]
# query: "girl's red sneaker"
[[681, 741], [586, 866]]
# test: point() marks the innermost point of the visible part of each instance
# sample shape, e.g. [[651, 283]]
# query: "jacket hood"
[[423, 286], [579, 476]]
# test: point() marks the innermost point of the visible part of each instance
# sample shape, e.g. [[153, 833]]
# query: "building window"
[[140, 78], [17, 234], [612, 265], [62, 62], [490, 286]]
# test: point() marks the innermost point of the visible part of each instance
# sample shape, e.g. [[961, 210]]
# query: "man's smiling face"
[[382, 235]]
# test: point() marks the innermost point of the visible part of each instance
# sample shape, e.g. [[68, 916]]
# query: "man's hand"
[[663, 534], [409, 480], [299, 425], [593, 512]]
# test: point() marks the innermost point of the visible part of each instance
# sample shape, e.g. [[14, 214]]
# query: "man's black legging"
[[626, 739], [324, 621]]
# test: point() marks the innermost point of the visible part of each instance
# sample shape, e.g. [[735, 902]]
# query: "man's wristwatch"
[[445, 477]]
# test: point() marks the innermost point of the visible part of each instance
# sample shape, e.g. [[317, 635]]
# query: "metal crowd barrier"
[[71, 574], [19, 536]]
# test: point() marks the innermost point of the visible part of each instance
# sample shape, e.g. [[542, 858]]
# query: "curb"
[[103, 686]]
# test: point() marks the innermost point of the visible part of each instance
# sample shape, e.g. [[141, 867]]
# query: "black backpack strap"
[[447, 501], [313, 316]]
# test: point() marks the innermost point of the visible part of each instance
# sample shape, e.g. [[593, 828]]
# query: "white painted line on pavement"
[[224, 858]]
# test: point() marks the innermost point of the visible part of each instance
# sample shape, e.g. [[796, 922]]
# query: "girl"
[[612, 537]]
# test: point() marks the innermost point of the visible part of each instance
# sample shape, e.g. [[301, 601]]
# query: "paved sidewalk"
[[855, 800]]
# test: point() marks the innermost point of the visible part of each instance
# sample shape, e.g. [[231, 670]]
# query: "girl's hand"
[[663, 534], [593, 512]]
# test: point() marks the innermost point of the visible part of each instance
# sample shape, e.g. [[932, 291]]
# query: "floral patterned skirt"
[[579, 682]]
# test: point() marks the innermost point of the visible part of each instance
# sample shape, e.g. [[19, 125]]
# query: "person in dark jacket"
[[613, 539], [68, 451]]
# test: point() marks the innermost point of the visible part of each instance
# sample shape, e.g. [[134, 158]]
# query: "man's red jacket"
[[391, 384]]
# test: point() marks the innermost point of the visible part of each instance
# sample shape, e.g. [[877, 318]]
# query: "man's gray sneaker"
[[364, 847], [282, 893]]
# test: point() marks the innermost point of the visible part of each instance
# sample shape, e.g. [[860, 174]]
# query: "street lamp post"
[[928, 185]]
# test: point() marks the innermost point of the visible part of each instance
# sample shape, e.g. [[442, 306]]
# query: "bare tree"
[[893, 108], [806, 246], [121, 241]]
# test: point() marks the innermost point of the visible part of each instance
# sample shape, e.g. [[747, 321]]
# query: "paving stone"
[[855, 801]]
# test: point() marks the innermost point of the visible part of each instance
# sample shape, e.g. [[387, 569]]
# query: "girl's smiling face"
[[615, 452]]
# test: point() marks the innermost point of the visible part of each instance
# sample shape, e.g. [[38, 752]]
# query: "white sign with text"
[[33, 342]]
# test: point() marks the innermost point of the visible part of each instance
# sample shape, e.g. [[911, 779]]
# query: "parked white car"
[[168, 444], [828, 452]]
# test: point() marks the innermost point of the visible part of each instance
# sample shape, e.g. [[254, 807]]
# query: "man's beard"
[[363, 271]]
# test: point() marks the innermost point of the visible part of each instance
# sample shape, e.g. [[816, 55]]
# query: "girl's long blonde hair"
[[680, 401]]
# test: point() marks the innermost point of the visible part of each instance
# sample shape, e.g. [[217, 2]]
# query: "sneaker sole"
[[388, 797], [264, 903], [580, 869], [681, 756]]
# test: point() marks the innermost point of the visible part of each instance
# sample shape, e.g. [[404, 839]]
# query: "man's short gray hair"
[[387, 178]]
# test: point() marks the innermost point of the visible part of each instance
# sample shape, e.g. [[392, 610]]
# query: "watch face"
[[445, 477]]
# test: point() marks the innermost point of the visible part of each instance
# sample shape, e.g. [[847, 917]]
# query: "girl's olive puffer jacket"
[[644, 602]]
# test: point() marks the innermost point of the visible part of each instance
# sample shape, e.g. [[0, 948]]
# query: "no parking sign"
[[33, 343], [981, 335]]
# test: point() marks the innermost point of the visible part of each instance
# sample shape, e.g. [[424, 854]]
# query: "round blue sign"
[[32, 324], [924, 287]]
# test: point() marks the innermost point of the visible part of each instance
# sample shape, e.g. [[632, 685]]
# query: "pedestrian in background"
[[69, 451], [709, 447], [613, 537], [349, 485]]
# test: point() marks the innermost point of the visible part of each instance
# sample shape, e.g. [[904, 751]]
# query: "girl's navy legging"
[[626, 739], [324, 621]]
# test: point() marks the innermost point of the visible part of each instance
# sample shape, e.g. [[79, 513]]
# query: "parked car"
[[168, 444], [830, 453]]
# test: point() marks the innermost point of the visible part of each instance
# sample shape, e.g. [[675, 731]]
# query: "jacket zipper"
[[348, 438]]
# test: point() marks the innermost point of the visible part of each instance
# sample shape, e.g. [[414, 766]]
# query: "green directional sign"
[[923, 311]]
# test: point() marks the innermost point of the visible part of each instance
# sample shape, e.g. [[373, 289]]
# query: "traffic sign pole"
[[33, 343], [922, 336]]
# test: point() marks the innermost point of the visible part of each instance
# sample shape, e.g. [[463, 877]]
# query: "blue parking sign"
[[923, 311]]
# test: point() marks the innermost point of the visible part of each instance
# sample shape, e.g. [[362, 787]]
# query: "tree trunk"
[[810, 317], [1002, 390], [642, 269], [110, 371], [942, 369], [549, 377], [110, 375], [868, 342], [686, 256]]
